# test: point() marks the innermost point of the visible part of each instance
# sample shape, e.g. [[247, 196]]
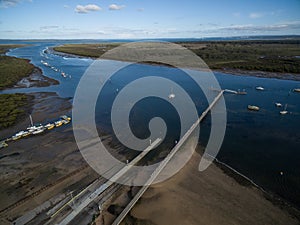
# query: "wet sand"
[[36, 79], [209, 198]]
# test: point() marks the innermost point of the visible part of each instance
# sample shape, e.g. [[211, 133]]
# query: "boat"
[[63, 74], [44, 63], [259, 88], [49, 126], [58, 123], [14, 138], [65, 121], [3, 144], [172, 95], [283, 112], [253, 107], [39, 130], [296, 90], [241, 92], [64, 117], [278, 104]]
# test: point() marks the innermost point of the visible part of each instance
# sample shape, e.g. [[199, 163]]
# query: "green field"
[[270, 56], [12, 108]]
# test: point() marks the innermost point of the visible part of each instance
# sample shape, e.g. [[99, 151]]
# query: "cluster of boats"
[[63, 74], [277, 104], [36, 129]]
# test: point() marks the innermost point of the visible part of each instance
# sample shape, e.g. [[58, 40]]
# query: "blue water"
[[258, 144]]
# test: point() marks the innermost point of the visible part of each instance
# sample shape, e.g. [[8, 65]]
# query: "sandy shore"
[[209, 198]]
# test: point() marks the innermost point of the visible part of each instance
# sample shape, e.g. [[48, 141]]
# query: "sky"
[[135, 19]]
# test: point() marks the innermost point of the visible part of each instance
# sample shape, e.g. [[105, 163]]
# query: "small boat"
[[44, 63], [25, 133], [253, 107], [58, 123], [65, 121], [38, 131], [278, 104], [64, 117], [243, 92], [283, 112], [63, 74], [172, 95], [296, 90], [49, 126], [260, 88], [15, 137], [3, 144]]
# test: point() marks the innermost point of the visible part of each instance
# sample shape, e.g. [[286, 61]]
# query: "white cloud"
[[116, 7], [10, 3], [87, 8], [255, 15]]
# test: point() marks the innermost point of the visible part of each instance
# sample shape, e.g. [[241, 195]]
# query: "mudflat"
[[209, 198]]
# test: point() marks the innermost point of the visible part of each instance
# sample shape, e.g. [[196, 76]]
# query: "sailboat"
[[172, 95], [283, 112]]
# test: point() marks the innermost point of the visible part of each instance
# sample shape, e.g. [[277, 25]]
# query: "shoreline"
[[230, 71], [260, 74]]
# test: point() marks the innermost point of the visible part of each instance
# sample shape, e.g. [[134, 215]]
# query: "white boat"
[[172, 95], [58, 123], [297, 90], [66, 117], [278, 104], [49, 126], [283, 112], [38, 131], [259, 88], [44, 63], [63, 74], [253, 107]]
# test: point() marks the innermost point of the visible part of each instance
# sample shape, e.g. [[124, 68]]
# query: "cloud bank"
[[116, 7], [87, 8]]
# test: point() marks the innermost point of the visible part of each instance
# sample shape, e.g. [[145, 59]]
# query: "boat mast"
[[31, 122]]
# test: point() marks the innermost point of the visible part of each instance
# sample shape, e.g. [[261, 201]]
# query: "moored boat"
[[253, 107], [49, 126], [259, 88], [297, 90], [58, 123], [283, 112]]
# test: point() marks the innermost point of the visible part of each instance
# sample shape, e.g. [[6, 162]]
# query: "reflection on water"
[[263, 145]]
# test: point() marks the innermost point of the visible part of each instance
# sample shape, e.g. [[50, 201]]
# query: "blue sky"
[[105, 19]]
